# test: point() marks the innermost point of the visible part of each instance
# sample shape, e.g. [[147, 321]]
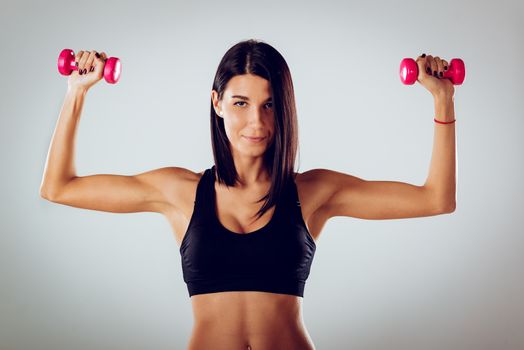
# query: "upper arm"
[[151, 191], [347, 195]]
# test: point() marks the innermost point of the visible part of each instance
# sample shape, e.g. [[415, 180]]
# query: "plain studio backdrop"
[[81, 279]]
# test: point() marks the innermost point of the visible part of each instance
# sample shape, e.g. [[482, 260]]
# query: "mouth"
[[254, 139]]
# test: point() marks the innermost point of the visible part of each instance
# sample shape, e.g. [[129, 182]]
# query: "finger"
[[90, 61], [103, 56], [426, 65], [432, 65], [440, 67], [446, 65], [82, 62], [421, 57], [422, 63], [97, 61], [78, 55], [100, 58]]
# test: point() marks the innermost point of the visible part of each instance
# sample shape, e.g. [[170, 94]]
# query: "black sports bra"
[[275, 258]]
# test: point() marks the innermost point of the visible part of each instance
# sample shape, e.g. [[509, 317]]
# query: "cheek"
[[231, 125], [272, 129]]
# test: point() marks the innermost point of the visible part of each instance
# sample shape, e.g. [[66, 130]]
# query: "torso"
[[247, 319]]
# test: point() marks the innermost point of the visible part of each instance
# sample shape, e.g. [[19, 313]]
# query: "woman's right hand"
[[90, 70]]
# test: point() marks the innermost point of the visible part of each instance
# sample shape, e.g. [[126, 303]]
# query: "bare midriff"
[[248, 320]]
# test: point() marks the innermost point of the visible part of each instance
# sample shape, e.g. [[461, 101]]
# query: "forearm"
[[60, 167], [441, 178]]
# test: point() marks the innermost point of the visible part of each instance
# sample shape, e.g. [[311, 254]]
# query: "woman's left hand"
[[430, 72]]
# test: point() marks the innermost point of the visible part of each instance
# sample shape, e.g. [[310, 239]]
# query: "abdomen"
[[239, 320]]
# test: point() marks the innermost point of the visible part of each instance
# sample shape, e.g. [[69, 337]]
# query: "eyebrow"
[[245, 98]]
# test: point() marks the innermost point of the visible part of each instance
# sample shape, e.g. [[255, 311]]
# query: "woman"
[[248, 226]]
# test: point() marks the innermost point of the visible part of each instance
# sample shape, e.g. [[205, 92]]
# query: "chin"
[[250, 151]]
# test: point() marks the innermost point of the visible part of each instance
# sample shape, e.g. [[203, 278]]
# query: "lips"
[[253, 138]]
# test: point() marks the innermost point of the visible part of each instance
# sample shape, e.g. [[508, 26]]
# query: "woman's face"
[[247, 111]]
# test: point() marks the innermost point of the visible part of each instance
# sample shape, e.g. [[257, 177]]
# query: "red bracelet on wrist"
[[438, 121]]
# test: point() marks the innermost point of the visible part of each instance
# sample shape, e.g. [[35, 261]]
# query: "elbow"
[[51, 192], [43, 192], [46, 194], [448, 208], [442, 202]]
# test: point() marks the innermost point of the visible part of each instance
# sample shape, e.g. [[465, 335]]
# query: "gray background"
[[80, 279]]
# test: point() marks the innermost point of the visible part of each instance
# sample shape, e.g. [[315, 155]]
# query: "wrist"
[[444, 109], [443, 98], [445, 121], [77, 91]]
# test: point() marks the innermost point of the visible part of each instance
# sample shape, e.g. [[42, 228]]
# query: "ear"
[[216, 103]]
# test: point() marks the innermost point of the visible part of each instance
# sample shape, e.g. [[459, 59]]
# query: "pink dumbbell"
[[409, 71], [112, 66]]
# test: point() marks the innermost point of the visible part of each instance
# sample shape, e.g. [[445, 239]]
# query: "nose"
[[257, 116]]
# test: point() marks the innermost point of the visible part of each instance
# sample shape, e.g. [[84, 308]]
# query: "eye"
[[269, 103]]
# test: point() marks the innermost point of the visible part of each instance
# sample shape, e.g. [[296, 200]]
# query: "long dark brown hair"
[[261, 59]]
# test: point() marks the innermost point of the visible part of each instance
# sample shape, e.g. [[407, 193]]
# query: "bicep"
[[143, 192]]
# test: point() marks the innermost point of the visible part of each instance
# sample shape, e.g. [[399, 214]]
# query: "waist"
[[246, 312], [248, 320]]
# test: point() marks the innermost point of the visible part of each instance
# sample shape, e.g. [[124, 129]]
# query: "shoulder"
[[318, 177], [313, 179], [324, 177], [177, 184], [318, 185], [175, 176], [309, 175], [312, 188]]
